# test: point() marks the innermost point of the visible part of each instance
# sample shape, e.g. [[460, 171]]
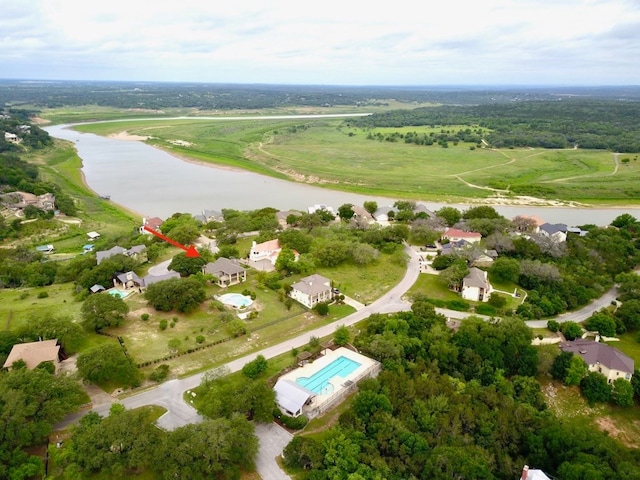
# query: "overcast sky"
[[346, 42]]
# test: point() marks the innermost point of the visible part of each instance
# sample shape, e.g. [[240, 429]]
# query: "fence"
[[345, 389]]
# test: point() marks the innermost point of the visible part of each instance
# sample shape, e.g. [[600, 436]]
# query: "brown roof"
[[267, 246], [454, 232], [595, 352], [34, 353]]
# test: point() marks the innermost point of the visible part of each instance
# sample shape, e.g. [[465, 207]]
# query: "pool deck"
[[340, 385]]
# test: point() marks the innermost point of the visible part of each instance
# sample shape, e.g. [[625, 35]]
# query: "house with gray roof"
[[312, 290], [138, 253], [601, 358], [228, 272], [555, 231], [383, 214], [151, 279], [476, 286]]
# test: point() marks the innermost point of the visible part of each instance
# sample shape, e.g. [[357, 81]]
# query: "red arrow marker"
[[191, 250]]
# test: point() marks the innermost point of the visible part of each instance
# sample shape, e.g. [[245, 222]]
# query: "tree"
[[577, 369], [364, 254], [629, 314], [561, 365], [255, 367], [423, 234], [286, 260], [341, 336], [622, 393], [450, 215], [186, 266], [47, 326], [601, 322], [595, 388], [370, 206], [506, 269], [182, 294], [571, 330], [452, 276], [102, 310], [322, 308], [481, 211], [107, 363], [345, 211]]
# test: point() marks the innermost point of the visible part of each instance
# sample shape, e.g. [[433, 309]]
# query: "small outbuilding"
[[93, 236], [291, 397]]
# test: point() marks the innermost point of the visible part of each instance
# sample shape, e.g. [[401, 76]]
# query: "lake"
[[154, 183]]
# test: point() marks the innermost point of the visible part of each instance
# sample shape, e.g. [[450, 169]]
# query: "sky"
[[328, 42]]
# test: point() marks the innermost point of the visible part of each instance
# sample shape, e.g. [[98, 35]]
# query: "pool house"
[[319, 385]]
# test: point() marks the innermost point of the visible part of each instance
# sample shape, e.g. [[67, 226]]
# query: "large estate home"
[[476, 286], [153, 223], [601, 358], [20, 200], [312, 290], [265, 251], [227, 272]]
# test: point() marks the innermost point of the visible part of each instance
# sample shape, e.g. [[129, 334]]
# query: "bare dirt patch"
[[127, 136], [608, 425]]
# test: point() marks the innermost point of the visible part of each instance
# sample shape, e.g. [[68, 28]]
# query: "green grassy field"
[[329, 153]]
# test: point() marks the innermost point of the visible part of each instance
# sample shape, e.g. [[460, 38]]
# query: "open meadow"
[[328, 152]]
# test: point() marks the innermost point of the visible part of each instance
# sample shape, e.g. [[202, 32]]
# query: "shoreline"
[[500, 201]]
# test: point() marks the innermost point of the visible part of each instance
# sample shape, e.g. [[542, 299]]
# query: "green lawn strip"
[[20, 304], [628, 345], [430, 286]]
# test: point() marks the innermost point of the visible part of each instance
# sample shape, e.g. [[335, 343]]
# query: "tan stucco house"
[[34, 353], [312, 290], [601, 358]]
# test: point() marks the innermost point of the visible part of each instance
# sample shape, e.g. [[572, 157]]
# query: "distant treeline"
[[590, 124], [156, 96]]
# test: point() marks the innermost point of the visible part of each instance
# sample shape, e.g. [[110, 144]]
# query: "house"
[[34, 353], [45, 248], [454, 247], [533, 474], [128, 280], [104, 254], [153, 223], [137, 252], [11, 138], [226, 271], [266, 250], [420, 211], [291, 397], [361, 215], [476, 286], [601, 358], [318, 207], [312, 290], [383, 215], [93, 236], [556, 232], [454, 235], [97, 288]]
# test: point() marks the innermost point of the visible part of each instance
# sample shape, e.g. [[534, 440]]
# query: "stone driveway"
[[273, 438]]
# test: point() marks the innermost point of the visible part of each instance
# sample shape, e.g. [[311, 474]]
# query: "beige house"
[[476, 286], [34, 353], [312, 290], [455, 235], [153, 223], [226, 271], [11, 138], [601, 358]]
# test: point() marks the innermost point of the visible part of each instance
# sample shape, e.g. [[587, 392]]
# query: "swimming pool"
[[236, 300], [319, 382], [117, 293]]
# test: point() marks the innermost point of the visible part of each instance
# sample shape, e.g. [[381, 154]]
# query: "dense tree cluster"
[[451, 404], [127, 442], [31, 401], [181, 294], [590, 124]]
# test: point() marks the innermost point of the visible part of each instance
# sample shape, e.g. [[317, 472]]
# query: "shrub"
[[459, 305], [255, 367], [484, 309], [200, 339], [553, 326], [160, 373], [236, 328], [322, 309], [163, 324], [43, 294], [144, 317], [497, 301], [294, 423]]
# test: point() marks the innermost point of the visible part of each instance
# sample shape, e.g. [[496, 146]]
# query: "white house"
[[476, 286], [601, 358], [556, 232], [93, 236], [265, 250], [11, 138], [312, 290]]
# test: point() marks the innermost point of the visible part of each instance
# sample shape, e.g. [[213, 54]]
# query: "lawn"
[[629, 345], [330, 153], [430, 286]]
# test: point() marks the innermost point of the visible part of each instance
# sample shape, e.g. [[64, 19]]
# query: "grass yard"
[[620, 423], [430, 286], [18, 305]]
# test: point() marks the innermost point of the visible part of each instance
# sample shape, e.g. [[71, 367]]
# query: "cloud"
[[495, 41]]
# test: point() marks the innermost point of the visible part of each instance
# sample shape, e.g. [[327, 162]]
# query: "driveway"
[[273, 438]]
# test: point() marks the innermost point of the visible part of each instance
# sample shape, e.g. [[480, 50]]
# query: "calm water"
[[155, 183]]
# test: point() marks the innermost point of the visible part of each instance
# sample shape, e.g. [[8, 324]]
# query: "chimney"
[[525, 472]]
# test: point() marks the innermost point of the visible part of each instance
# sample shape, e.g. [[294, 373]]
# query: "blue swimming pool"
[[117, 293], [319, 381], [236, 300]]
